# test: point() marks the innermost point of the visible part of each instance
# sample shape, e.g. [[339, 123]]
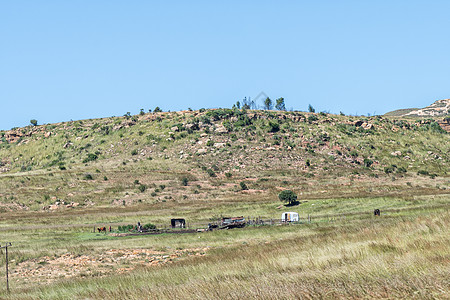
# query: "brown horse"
[[101, 229]]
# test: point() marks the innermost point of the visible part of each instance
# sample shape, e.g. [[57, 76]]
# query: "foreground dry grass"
[[388, 257]]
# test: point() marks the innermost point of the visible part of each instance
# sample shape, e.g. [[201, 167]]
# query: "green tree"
[[142, 112], [157, 109], [238, 104], [268, 104], [34, 122], [287, 196], [311, 109], [280, 104]]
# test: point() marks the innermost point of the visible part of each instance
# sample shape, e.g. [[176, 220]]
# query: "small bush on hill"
[[312, 118], [142, 188], [211, 173], [90, 157], [368, 162], [389, 169], [274, 126]]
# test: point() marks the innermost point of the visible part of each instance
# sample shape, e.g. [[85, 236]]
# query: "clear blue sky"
[[63, 60]]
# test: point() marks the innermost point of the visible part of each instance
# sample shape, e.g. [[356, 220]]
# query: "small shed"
[[289, 217], [178, 223]]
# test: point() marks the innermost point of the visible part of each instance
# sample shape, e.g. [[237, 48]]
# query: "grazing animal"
[[376, 212], [101, 229]]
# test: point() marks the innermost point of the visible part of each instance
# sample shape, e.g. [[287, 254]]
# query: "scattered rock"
[[202, 151], [219, 145], [396, 153], [221, 129]]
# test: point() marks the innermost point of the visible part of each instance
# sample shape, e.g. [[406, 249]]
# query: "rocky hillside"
[[439, 108], [211, 154]]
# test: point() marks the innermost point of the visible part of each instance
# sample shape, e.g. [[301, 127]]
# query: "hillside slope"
[[204, 156], [439, 108]]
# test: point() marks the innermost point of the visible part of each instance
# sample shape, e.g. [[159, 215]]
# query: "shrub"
[[211, 173], [90, 157], [126, 228], [149, 226], [287, 196], [34, 122], [312, 118], [228, 175], [423, 172], [368, 162], [354, 153], [184, 181], [389, 169], [88, 176], [210, 143], [401, 170], [162, 187], [157, 109], [274, 126], [243, 185], [142, 188], [134, 152]]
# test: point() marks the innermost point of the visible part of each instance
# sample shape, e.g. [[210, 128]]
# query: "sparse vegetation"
[[243, 185]]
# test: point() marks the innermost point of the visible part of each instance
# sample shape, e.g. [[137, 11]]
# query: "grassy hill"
[[439, 108], [400, 112], [180, 156]]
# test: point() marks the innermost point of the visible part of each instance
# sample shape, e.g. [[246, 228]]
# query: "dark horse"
[[101, 229], [376, 212]]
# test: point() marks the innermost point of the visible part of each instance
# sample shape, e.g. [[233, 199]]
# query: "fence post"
[[6, 254]]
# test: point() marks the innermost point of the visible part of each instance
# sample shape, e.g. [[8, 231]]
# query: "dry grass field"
[[60, 181]]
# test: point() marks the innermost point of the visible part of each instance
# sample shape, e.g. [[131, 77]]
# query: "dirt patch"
[[47, 269]]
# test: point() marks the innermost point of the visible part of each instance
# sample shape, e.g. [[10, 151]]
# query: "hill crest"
[[439, 108]]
